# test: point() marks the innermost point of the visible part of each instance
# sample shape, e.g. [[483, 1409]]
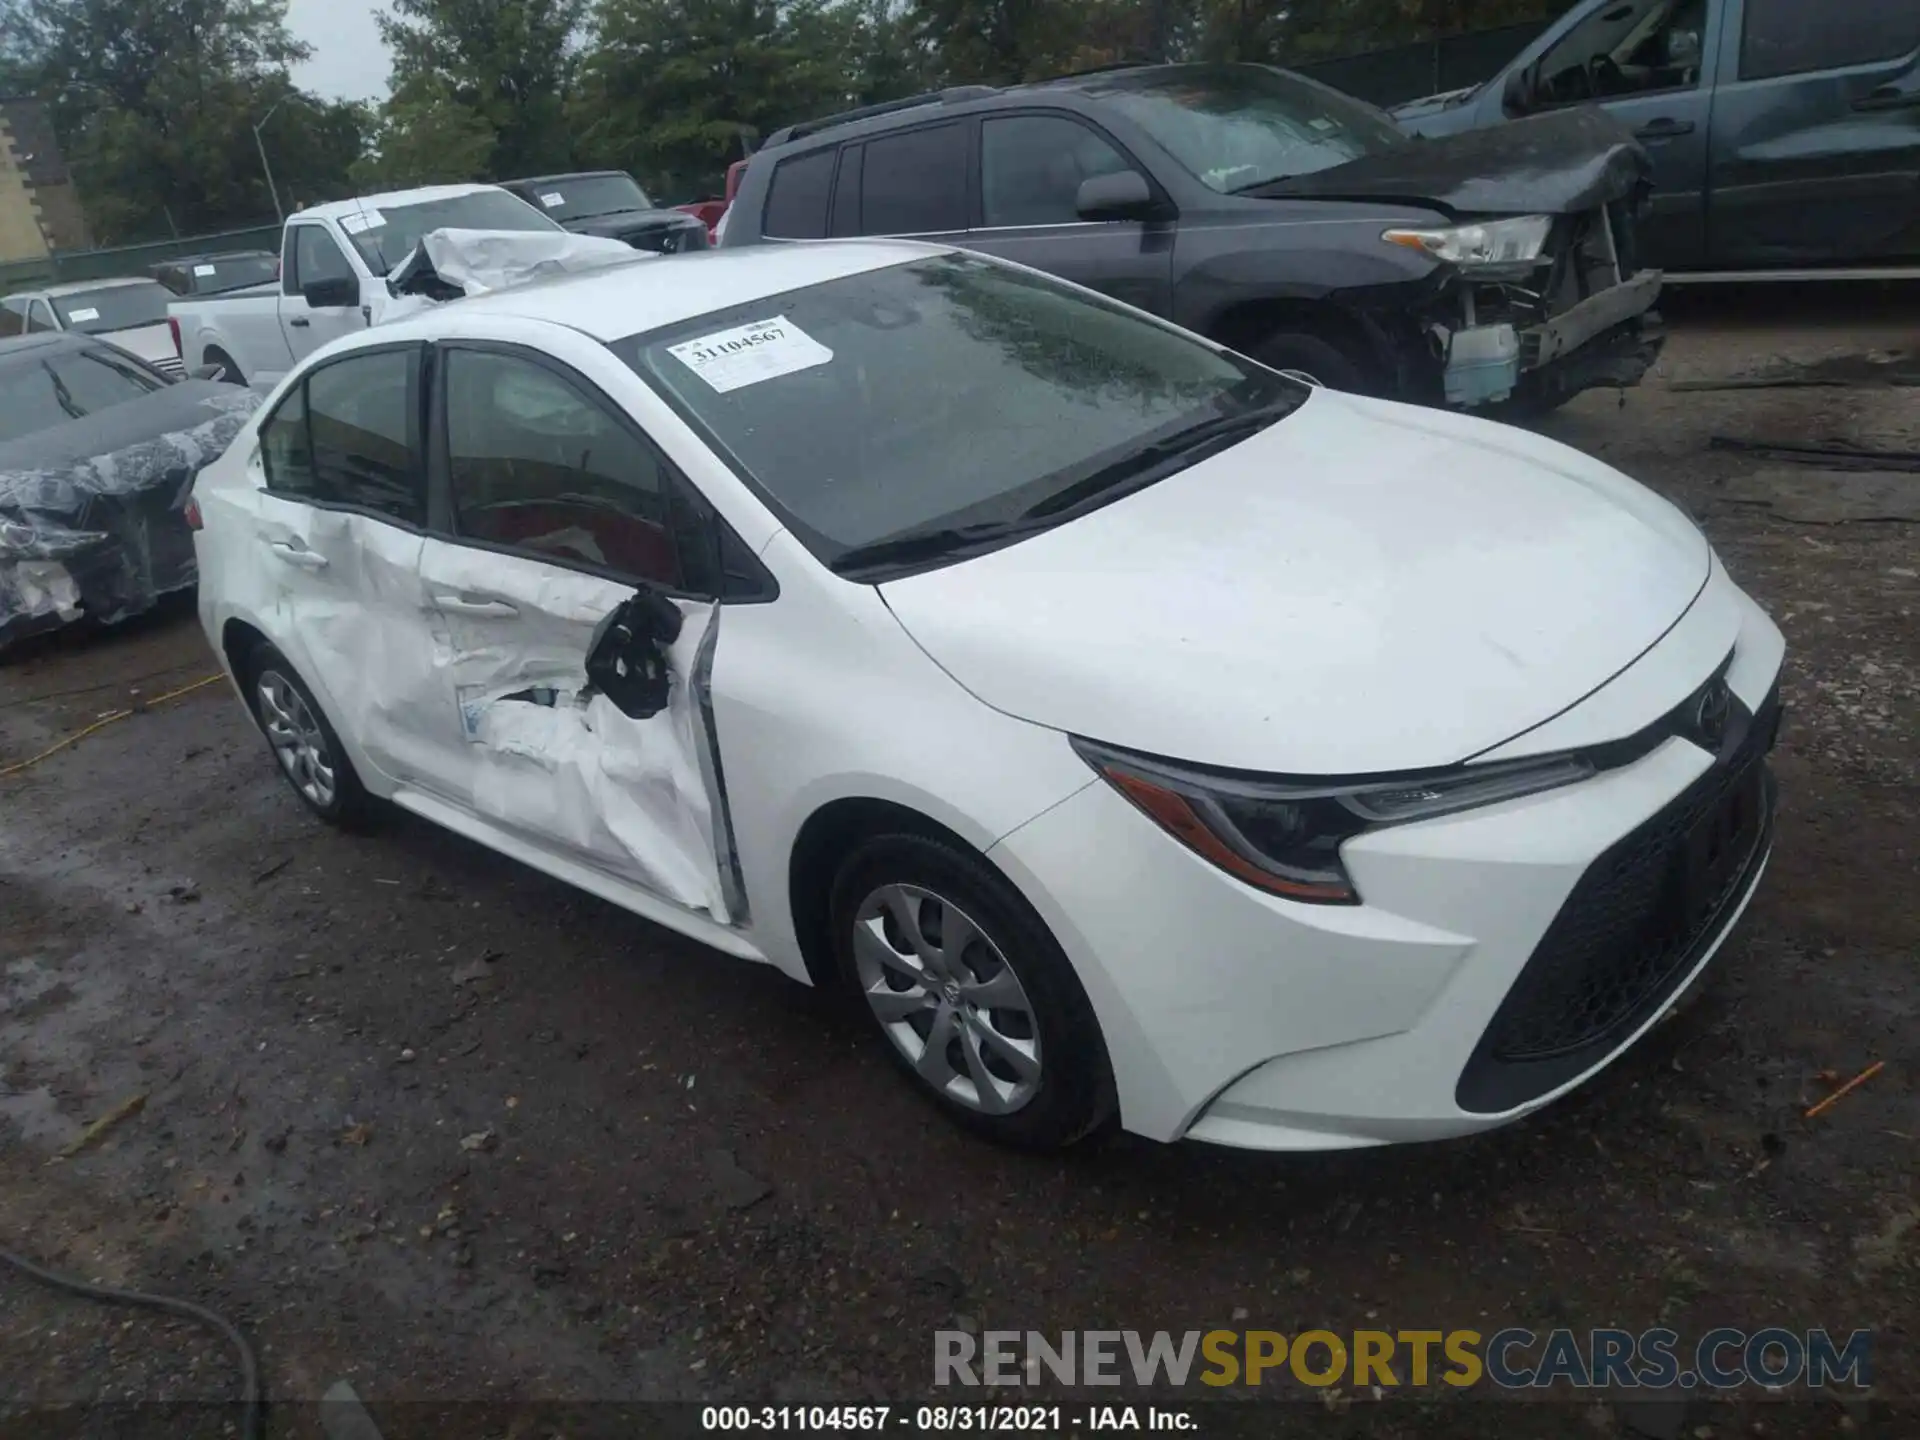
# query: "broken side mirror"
[[1120, 195], [627, 661]]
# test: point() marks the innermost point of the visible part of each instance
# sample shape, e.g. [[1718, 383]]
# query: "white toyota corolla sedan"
[[1138, 733]]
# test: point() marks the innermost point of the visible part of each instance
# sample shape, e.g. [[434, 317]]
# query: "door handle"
[[295, 552], [1888, 97], [299, 322], [460, 605], [1665, 128]]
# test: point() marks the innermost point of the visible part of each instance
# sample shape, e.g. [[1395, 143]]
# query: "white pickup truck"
[[334, 260]]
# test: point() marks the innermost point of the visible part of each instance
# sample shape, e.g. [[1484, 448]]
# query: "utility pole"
[[261, 146]]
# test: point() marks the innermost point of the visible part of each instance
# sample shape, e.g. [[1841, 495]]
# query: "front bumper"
[[1611, 338], [1236, 1017]]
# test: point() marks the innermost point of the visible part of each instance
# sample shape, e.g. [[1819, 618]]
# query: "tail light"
[[194, 521], [173, 329]]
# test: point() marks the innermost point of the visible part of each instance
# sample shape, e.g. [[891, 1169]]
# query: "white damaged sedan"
[[1139, 734]]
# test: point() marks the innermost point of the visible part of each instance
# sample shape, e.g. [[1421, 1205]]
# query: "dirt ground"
[[698, 1182]]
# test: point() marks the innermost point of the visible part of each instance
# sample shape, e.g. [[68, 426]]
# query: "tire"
[[1063, 1092], [303, 741], [1325, 361], [229, 371]]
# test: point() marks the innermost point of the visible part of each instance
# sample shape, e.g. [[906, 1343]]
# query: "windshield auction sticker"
[[764, 350]]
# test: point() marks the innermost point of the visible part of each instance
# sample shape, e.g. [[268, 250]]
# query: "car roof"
[[334, 209], [82, 287], [650, 292], [567, 175], [967, 99]]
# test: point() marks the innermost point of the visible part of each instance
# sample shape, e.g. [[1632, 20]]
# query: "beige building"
[[39, 209]]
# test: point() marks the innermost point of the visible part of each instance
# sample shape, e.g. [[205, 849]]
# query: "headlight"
[[1284, 836], [1496, 242]]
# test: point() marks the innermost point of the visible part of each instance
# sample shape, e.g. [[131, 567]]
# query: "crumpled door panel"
[[545, 754]]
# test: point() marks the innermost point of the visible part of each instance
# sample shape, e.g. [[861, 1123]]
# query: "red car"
[[710, 211]]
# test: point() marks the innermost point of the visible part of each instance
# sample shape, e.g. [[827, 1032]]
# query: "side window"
[[1634, 48], [285, 453], [797, 197], [316, 257], [1790, 37], [1031, 167], [363, 433], [40, 316], [915, 183], [536, 463], [13, 317]]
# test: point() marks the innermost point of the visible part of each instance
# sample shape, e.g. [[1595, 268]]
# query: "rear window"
[[941, 390], [386, 234], [797, 197], [115, 307], [581, 197], [1791, 37], [220, 274], [52, 384]]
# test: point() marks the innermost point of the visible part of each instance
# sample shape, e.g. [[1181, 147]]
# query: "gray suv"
[[1265, 210]]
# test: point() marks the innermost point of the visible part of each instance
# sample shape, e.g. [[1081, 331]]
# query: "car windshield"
[[1237, 127], [578, 197], [386, 234], [942, 392], [220, 273], [48, 385], [114, 307]]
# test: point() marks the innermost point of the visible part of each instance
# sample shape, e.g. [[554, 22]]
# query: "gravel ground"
[[425, 1120]]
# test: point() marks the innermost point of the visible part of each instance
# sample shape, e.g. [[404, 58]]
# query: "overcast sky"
[[349, 62]]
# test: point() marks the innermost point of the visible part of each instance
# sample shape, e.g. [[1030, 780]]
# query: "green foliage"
[[155, 107], [676, 89], [156, 100], [425, 136], [461, 67]]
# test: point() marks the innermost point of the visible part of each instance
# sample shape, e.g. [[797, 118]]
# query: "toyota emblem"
[[1711, 712]]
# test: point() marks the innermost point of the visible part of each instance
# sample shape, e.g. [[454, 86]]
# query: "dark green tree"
[[674, 90], [155, 108], [507, 64]]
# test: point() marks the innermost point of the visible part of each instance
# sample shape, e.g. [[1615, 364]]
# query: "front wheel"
[[972, 996], [1310, 355]]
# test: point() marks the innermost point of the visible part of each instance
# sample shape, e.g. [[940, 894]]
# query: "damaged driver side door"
[[571, 579]]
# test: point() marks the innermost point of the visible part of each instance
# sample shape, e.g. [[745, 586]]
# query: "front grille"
[[1628, 934]]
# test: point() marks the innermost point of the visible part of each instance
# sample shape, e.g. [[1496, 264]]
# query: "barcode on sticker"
[[79, 317], [203, 270], [749, 354]]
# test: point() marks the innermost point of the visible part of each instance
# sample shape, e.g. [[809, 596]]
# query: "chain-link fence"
[[1406, 72], [64, 265]]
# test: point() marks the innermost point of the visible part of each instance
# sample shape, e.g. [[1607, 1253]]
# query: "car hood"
[[1363, 587], [1559, 163]]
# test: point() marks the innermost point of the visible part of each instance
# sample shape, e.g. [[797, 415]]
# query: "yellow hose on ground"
[[101, 724]]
